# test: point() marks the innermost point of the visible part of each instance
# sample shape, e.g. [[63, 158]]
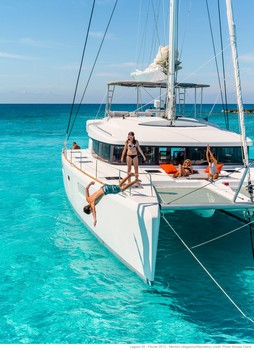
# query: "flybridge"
[[159, 84], [159, 102]]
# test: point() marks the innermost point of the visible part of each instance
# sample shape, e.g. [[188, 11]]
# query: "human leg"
[[129, 184], [125, 179], [180, 170], [129, 164], [135, 163], [178, 173]]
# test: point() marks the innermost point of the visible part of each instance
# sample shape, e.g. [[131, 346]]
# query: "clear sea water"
[[60, 285]]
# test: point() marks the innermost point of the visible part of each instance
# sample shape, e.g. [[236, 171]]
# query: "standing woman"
[[131, 149]]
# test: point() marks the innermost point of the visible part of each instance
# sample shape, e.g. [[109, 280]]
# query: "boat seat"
[[119, 114]]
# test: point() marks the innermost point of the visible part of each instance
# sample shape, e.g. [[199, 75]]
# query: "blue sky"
[[41, 43]]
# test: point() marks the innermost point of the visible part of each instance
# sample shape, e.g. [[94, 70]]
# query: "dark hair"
[[87, 209], [132, 134]]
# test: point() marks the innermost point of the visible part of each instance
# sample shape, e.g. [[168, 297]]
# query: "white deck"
[[181, 193]]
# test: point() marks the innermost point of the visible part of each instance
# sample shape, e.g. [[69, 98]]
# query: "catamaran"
[[128, 223]]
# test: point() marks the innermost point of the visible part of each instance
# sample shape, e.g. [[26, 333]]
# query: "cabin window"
[[104, 150], [178, 155], [197, 155], [229, 155], [101, 149], [150, 155], [96, 146], [164, 154], [117, 153]]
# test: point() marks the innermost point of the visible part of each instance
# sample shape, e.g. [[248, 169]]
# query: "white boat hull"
[[129, 229]]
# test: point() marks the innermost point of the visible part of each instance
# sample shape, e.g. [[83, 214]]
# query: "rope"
[[80, 68], [225, 234], [223, 69], [208, 273], [216, 61], [95, 61], [251, 234], [200, 188], [214, 239]]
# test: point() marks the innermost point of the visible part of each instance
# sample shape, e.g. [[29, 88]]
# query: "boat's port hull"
[[128, 228]]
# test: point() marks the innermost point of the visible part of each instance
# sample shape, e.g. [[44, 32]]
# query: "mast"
[[171, 98], [232, 33]]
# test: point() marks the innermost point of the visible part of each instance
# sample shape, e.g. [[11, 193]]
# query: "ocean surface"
[[60, 285]]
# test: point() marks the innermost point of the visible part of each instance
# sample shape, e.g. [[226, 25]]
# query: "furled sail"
[[156, 71]]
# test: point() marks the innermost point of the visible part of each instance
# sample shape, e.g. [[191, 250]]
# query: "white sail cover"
[[156, 71]]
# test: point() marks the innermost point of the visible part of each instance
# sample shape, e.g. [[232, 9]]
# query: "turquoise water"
[[60, 285]]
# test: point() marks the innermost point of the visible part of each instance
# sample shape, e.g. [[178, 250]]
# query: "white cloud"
[[107, 74], [13, 56], [247, 58], [124, 64], [96, 34], [99, 35], [28, 41]]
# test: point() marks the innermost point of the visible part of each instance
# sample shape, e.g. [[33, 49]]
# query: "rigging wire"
[[80, 68], [185, 31], [223, 235], [208, 273], [216, 61], [251, 233], [91, 72], [223, 69], [138, 31], [143, 40], [215, 238]]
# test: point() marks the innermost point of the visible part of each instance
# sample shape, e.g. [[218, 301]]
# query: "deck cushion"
[[169, 168]]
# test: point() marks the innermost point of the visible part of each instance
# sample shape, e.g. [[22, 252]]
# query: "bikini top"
[[132, 146]]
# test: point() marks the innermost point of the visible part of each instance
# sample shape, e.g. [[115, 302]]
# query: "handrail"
[[77, 151], [150, 179], [242, 180]]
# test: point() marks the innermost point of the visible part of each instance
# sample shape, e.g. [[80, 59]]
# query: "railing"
[[149, 175], [77, 151], [242, 180], [96, 169]]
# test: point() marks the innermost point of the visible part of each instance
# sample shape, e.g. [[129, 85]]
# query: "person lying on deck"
[[104, 191], [185, 169]]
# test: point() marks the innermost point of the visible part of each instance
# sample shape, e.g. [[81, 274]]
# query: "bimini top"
[[151, 84]]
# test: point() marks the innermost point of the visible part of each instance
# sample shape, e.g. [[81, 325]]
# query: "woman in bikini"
[[131, 149], [212, 162], [185, 169]]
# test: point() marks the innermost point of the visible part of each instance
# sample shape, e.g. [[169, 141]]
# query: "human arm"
[[140, 151], [207, 154], [87, 189], [94, 213], [124, 151], [212, 158]]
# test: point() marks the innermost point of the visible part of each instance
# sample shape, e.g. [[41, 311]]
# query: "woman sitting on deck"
[[185, 169], [212, 162]]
